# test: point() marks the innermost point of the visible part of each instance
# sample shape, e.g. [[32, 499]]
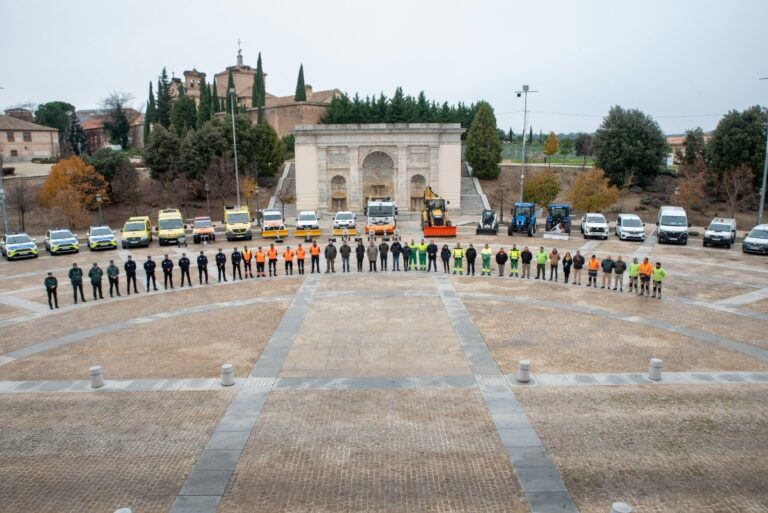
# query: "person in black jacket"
[[360, 254], [432, 256], [221, 263], [236, 258], [445, 256], [578, 265], [396, 248], [167, 266], [525, 257], [383, 254], [130, 274], [202, 268], [406, 256], [149, 268], [501, 260], [184, 264], [471, 255]]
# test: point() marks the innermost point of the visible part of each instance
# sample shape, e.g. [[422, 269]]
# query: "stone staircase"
[[471, 202], [286, 186]]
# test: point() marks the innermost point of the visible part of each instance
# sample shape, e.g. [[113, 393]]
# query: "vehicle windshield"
[[240, 217], [673, 221], [135, 227], [19, 239], [719, 227], [595, 219], [307, 217], [345, 217], [631, 223], [381, 211], [559, 212], [171, 224], [272, 217], [203, 223], [62, 234], [758, 233], [101, 231], [525, 211]]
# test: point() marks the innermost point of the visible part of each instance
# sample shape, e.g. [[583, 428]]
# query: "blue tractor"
[[523, 219], [559, 215]]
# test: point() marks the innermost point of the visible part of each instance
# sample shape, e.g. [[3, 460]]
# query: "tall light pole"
[[232, 94], [765, 175], [98, 202], [208, 198], [524, 93], [3, 196]]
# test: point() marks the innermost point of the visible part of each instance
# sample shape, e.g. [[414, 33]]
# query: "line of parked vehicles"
[[672, 227]]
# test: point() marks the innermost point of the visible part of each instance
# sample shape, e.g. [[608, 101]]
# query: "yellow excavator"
[[434, 217]]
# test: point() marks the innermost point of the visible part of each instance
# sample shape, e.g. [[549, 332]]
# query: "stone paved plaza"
[[389, 392]]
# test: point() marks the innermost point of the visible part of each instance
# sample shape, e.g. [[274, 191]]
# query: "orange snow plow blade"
[[439, 231]]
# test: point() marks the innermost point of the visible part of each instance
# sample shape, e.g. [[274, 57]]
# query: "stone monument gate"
[[339, 166]]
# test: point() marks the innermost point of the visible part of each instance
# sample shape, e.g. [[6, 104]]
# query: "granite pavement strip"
[[210, 476], [539, 479]]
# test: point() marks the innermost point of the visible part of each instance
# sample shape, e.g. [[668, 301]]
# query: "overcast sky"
[[685, 62]]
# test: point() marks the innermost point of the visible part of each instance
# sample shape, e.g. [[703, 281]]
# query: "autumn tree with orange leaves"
[[71, 189]]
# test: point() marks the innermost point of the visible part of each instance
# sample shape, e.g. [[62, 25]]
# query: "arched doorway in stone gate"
[[338, 193], [416, 192], [378, 175]]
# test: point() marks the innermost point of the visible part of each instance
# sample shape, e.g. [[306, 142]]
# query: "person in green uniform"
[[657, 276], [541, 264], [112, 275], [514, 257], [413, 256], [76, 278], [485, 256], [95, 274], [458, 259], [633, 272], [422, 255], [51, 285]]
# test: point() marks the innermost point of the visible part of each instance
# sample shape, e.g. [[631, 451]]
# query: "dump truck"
[[237, 223], [434, 217], [523, 219], [272, 225], [559, 214], [307, 224], [382, 216], [489, 224]]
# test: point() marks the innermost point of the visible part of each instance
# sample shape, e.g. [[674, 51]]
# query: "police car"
[[18, 245], [61, 240], [101, 237]]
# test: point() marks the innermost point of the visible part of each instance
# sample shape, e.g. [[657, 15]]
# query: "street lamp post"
[[232, 94], [2, 196], [207, 198], [524, 93], [98, 202], [760, 207]]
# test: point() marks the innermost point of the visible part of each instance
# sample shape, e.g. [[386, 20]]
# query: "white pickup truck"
[[594, 225]]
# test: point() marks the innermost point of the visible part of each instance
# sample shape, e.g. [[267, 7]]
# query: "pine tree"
[[78, 142], [215, 105], [164, 100], [270, 153], [258, 97], [301, 90], [483, 146], [183, 115], [204, 111], [230, 87]]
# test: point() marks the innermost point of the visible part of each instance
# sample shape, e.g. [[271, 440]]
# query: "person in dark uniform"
[[76, 278], [432, 256], [471, 257], [95, 274], [383, 253], [112, 275], [396, 248], [406, 256], [236, 258], [51, 286], [202, 268], [360, 255], [167, 265], [184, 264], [130, 274], [221, 263], [149, 268]]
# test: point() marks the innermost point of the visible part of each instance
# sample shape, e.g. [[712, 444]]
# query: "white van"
[[629, 227], [720, 232], [672, 225]]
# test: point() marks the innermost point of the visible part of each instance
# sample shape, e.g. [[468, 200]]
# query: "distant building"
[[92, 122], [675, 143], [23, 140], [282, 112]]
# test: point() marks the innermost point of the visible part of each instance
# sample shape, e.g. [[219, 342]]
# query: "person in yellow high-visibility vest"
[[422, 255], [458, 259], [514, 257], [485, 256]]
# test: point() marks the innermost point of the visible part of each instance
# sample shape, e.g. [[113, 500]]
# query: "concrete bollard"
[[654, 373], [620, 507], [523, 371], [227, 375], [97, 380]]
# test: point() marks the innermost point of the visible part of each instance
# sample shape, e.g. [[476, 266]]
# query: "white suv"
[[594, 225], [720, 232], [630, 227], [344, 219], [307, 220]]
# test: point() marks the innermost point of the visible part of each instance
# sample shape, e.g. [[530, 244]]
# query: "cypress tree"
[[182, 91], [230, 101], [164, 100], [150, 114], [258, 96], [301, 91], [204, 111], [215, 106]]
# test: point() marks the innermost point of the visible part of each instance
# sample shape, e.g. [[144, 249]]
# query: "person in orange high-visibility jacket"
[[272, 257], [260, 257], [300, 254], [592, 267], [646, 270], [288, 257], [247, 257], [314, 251]]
